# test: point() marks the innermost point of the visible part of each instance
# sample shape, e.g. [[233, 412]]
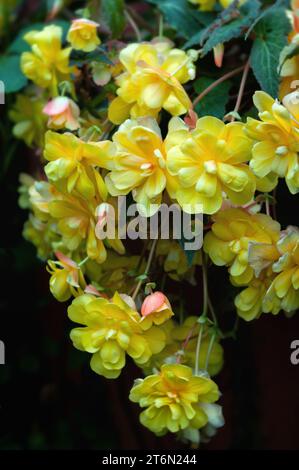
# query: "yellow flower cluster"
[[152, 79], [260, 257], [47, 63], [232, 232], [206, 165], [111, 330], [276, 285]]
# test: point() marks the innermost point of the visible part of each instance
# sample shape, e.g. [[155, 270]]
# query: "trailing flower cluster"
[[149, 146]]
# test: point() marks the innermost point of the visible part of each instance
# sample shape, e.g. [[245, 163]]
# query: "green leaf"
[[11, 74], [231, 23], [278, 3], [114, 14], [214, 103], [181, 16], [80, 57], [19, 45], [271, 37]]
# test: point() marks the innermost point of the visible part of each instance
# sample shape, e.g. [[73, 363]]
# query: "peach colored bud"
[[153, 303], [218, 54], [62, 112]]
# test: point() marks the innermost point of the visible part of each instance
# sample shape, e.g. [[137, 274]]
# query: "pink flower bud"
[[154, 303], [63, 113]]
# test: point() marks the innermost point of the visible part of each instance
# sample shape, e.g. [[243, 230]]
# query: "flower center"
[[210, 167]]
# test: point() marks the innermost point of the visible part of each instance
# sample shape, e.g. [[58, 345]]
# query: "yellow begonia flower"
[[204, 5], [76, 221], [83, 36], [153, 78], [63, 113], [173, 399], [276, 138], [30, 122], [72, 161], [111, 330], [208, 162], [250, 302], [285, 285], [47, 64], [140, 165], [228, 242], [67, 279]]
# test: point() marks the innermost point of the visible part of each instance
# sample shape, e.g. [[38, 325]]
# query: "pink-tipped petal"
[[56, 106], [76, 24], [90, 289], [65, 259]]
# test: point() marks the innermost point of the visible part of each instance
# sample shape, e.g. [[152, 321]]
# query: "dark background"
[[49, 397]]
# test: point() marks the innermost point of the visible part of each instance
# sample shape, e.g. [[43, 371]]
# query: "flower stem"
[[83, 261], [148, 265], [204, 313], [210, 350], [212, 310], [213, 85], [133, 25], [241, 89], [161, 26], [198, 350]]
